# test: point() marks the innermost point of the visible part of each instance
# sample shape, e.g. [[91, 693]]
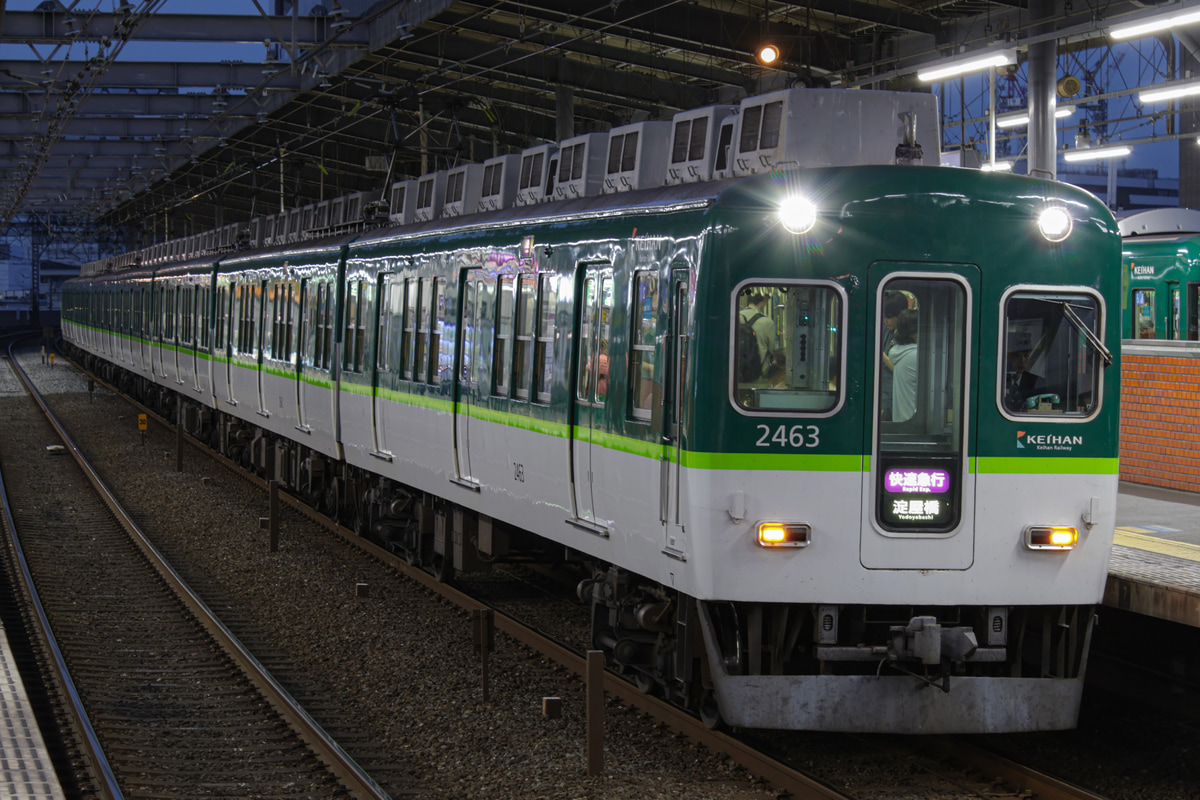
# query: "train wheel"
[[644, 683]]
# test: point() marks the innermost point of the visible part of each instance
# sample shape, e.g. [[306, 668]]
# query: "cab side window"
[[1049, 367]]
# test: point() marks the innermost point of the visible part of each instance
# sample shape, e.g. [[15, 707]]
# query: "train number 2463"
[[795, 436]]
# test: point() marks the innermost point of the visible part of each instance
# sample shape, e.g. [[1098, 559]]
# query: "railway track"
[[174, 706], [979, 772]]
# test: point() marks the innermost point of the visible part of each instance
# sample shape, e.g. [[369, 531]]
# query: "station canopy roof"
[[131, 114]]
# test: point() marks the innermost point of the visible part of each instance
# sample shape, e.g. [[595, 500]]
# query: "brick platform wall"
[[1160, 420]]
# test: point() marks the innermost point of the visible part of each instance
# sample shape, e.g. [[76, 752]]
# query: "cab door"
[[594, 301], [919, 500]]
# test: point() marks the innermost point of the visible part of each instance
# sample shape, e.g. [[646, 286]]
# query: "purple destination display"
[[917, 481]]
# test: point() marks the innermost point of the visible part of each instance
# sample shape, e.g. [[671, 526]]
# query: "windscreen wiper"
[[1092, 339]]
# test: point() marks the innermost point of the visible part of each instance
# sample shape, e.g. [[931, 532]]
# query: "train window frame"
[[924, 462], [222, 310], [441, 352], [351, 325], [1134, 307], [843, 300], [524, 334], [408, 345], [643, 351], [326, 322], [424, 357], [1055, 293], [503, 336], [390, 301], [547, 327]]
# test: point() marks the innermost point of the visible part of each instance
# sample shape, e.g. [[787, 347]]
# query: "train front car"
[[899, 462]]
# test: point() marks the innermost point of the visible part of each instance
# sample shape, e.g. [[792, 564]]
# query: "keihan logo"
[[1048, 442]]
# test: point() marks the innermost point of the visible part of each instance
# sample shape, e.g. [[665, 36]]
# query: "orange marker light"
[[783, 534], [1051, 537]]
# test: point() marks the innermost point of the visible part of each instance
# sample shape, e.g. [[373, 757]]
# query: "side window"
[[273, 324], [546, 327], [204, 308], [326, 330], [643, 340], [787, 347], [439, 346], [1050, 369], [410, 325], [168, 312], [1143, 314], [387, 314], [291, 316], [583, 388], [501, 361], [316, 306], [222, 313], [920, 433], [595, 336], [423, 325], [350, 343], [523, 350]]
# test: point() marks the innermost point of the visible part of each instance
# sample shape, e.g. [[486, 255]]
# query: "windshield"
[[1052, 354]]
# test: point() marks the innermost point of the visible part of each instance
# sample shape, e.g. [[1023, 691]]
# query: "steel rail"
[[106, 780], [791, 781], [1042, 786], [325, 747]]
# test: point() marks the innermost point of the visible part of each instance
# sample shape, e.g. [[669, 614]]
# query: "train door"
[[671, 509], [160, 320], [919, 498], [475, 325], [302, 327], [594, 300], [227, 316], [177, 301], [196, 332], [146, 320], [258, 336], [390, 306]]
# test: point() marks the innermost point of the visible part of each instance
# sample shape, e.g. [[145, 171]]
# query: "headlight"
[[1055, 223], [1051, 537], [797, 215], [783, 534]]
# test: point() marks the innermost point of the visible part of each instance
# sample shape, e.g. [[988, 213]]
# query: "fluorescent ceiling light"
[[1170, 92], [1158, 22], [999, 166], [972, 63], [1095, 153], [1022, 118]]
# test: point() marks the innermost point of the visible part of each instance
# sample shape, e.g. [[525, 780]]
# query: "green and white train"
[[1161, 267], [781, 546]]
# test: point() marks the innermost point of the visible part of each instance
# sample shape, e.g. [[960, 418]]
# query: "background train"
[[684, 388], [1161, 269]]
